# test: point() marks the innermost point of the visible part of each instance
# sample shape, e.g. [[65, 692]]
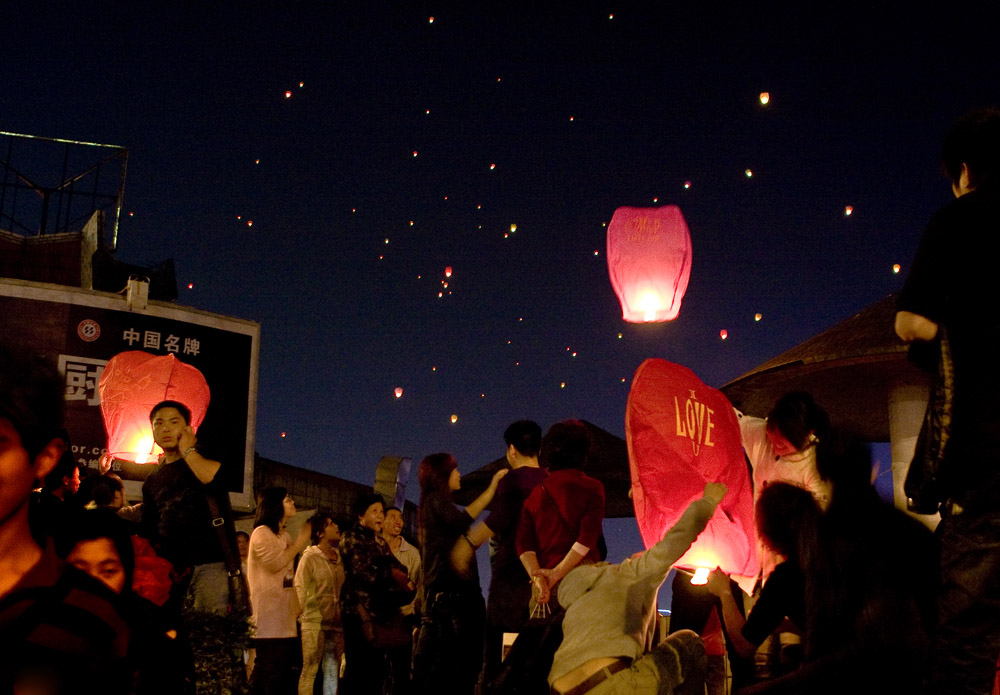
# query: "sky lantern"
[[398, 391], [723, 334], [454, 419], [765, 97], [758, 316], [131, 384], [848, 210], [896, 268], [447, 271], [649, 261], [682, 434]]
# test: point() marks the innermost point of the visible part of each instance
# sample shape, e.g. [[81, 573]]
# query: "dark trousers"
[[276, 666], [966, 643], [449, 649], [367, 666], [506, 611]]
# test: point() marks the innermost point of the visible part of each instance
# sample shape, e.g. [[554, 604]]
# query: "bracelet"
[[469, 540], [190, 449]]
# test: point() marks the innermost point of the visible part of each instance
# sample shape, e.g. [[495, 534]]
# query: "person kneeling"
[[611, 616]]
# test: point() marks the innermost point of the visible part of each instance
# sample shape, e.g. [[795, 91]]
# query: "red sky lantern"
[[682, 434], [447, 271], [649, 261], [132, 383]]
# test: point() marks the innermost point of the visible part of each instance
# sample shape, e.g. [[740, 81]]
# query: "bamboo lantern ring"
[[649, 261], [135, 381]]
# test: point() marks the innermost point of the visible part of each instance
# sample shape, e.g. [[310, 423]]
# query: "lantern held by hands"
[[135, 381], [682, 434], [649, 261]]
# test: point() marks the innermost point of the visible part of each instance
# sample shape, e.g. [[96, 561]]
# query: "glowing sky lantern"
[[682, 434], [131, 384], [749, 173], [758, 316], [447, 271], [848, 211], [288, 94], [765, 97], [895, 269], [513, 227], [399, 392], [723, 334], [649, 261], [454, 419]]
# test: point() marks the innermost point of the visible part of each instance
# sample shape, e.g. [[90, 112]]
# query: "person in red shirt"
[[561, 520]]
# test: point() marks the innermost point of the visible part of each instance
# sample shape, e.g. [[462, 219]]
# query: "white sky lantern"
[[649, 261]]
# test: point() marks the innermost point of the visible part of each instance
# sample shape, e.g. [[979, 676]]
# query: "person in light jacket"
[[318, 580], [611, 616]]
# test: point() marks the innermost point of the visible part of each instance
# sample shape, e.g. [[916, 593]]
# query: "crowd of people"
[[166, 597]]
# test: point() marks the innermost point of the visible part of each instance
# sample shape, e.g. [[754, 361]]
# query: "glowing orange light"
[[758, 317], [596, 252], [723, 334], [415, 153], [896, 268], [398, 391], [249, 223], [353, 210], [288, 94], [428, 112], [656, 200], [571, 118], [239, 217], [283, 435], [131, 214], [411, 223], [619, 336], [440, 295], [611, 16], [387, 240], [479, 207], [430, 20], [748, 173], [765, 97], [256, 161], [513, 228], [492, 167], [190, 285], [562, 384], [447, 271], [700, 577], [574, 354], [301, 85], [687, 185], [454, 419], [445, 285], [434, 369], [848, 210]]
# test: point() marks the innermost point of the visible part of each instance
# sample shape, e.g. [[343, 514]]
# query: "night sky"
[[397, 139]]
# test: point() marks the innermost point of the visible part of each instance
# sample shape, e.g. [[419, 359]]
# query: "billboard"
[[81, 330]]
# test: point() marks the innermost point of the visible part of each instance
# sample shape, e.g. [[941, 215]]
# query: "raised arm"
[[479, 504]]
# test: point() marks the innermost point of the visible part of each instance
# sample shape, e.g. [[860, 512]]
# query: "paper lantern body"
[[649, 261], [682, 434], [135, 381]]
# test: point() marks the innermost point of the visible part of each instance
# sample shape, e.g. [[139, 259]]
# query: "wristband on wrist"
[[189, 450], [469, 540]]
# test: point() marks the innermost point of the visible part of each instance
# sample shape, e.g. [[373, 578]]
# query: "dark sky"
[[582, 108]]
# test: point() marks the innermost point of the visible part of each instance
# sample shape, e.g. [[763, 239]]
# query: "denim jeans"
[[967, 639]]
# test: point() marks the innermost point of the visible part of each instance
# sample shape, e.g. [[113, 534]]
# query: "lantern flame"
[[700, 577], [398, 392]]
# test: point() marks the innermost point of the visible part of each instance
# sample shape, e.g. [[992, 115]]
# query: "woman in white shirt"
[[270, 575]]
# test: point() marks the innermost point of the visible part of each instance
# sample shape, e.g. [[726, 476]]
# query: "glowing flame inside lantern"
[[649, 305], [398, 392], [145, 449], [700, 577], [447, 272], [454, 419], [764, 98]]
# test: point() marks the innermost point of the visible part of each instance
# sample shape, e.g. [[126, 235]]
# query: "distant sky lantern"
[[649, 261], [284, 434], [682, 434], [513, 227], [896, 268], [562, 384], [454, 419], [131, 384], [399, 392], [848, 210], [765, 97], [415, 153], [749, 173], [430, 20], [288, 94], [492, 167], [447, 271], [758, 317], [723, 334], [301, 85], [190, 285], [687, 185]]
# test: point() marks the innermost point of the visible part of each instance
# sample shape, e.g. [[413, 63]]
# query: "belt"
[[596, 679]]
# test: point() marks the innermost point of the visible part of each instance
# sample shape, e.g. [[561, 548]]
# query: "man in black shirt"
[[952, 287], [175, 512]]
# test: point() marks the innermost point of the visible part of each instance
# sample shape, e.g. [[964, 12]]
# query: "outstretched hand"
[[718, 583]]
